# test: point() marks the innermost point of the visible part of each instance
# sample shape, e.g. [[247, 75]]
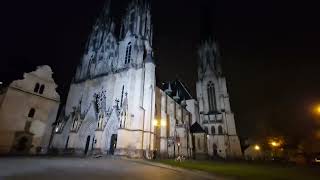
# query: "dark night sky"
[[270, 51]]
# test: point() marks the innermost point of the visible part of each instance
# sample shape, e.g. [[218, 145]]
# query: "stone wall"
[[16, 117], [174, 123]]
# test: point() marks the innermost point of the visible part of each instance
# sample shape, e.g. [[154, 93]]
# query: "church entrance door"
[[87, 145], [22, 143], [113, 143], [215, 152]]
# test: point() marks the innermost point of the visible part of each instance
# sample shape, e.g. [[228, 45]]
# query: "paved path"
[[91, 169]]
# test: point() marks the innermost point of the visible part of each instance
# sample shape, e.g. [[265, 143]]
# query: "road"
[[90, 168]]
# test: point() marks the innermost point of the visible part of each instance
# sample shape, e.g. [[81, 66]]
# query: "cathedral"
[[114, 105]]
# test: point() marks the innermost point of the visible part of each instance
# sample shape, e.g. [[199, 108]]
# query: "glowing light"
[[318, 109], [163, 123], [274, 144], [257, 147], [276, 141], [155, 122]]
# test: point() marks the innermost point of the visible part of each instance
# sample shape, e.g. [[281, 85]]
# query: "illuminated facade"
[[111, 102], [216, 116], [28, 108], [114, 106]]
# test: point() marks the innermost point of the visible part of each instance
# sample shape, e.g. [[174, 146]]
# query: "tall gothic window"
[[220, 131], [206, 129], [128, 53], [31, 113], [41, 89], [121, 96], [213, 130], [36, 88], [211, 96]]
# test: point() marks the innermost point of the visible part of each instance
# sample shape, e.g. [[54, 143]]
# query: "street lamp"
[[257, 147], [317, 109], [155, 122], [274, 144], [163, 123]]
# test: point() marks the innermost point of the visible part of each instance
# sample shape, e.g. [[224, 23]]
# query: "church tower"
[[111, 101], [216, 116], [136, 137]]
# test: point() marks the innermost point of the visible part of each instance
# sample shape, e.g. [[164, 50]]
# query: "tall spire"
[[105, 14], [106, 8], [177, 96], [102, 26], [168, 90], [137, 20], [209, 58]]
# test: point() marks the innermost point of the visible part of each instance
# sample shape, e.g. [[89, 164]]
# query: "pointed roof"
[[168, 89], [174, 87], [196, 128]]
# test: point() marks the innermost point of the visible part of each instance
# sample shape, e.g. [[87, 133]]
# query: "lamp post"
[[257, 147], [274, 145]]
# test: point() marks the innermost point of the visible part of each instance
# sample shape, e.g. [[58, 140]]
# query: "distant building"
[[28, 108]]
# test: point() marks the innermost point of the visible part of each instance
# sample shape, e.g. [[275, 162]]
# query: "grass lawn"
[[244, 170]]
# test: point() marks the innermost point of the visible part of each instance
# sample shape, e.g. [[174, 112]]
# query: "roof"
[[196, 128], [175, 86]]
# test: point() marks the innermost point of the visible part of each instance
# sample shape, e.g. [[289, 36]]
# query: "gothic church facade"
[[115, 107]]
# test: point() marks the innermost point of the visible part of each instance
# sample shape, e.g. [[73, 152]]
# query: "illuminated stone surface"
[[23, 131]]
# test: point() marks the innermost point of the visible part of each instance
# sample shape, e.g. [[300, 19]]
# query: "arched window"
[[36, 88], [220, 131], [41, 89], [31, 113], [213, 130], [128, 53], [211, 97], [206, 129], [121, 96]]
